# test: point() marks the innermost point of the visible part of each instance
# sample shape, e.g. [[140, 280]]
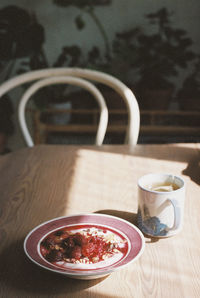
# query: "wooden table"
[[49, 181]]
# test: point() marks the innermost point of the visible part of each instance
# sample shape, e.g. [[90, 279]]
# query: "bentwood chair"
[[80, 77], [103, 120]]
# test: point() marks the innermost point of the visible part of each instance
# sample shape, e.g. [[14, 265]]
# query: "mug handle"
[[177, 215]]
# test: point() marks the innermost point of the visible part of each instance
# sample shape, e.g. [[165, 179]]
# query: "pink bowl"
[[131, 233]]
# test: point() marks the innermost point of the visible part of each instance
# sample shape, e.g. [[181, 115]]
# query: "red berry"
[[76, 252], [80, 239], [88, 250], [55, 256], [69, 242]]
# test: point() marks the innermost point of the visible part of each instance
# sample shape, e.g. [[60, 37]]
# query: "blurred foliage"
[[161, 53], [81, 3], [88, 6], [21, 37], [143, 57], [158, 55], [20, 34], [191, 85], [6, 112]]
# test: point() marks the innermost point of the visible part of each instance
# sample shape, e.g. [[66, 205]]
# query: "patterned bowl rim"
[[132, 233]]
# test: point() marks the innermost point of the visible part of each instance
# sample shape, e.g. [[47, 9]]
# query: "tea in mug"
[[163, 187]]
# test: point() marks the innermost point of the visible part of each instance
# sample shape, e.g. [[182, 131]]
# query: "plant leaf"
[[80, 24]]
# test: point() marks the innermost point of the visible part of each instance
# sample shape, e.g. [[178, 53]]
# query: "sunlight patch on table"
[[109, 180]]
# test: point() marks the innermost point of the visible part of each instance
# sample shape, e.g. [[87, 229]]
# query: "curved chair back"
[[103, 120], [126, 94]]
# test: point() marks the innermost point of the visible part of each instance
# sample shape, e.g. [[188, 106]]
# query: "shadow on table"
[[130, 217], [22, 276], [193, 170]]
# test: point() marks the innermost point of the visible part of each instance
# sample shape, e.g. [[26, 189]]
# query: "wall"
[[61, 30]]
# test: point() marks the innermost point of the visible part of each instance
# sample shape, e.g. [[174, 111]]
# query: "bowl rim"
[[86, 273]]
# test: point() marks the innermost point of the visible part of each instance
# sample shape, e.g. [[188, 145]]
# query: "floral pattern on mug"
[[151, 225]]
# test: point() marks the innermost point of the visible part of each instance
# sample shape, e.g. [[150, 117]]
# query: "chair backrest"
[[97, 76], [103, 120]]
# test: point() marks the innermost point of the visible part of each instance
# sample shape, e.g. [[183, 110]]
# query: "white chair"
[[103, 120], [78, 73]]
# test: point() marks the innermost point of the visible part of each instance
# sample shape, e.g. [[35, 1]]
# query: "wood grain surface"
[[46, 181]]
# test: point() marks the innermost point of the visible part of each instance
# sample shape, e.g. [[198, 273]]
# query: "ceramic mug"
[[161, 204]]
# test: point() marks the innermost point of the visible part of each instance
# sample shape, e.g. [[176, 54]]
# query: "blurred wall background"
[[120, 15]]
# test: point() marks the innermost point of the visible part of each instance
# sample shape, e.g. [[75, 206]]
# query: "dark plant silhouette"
[[6, 113], [88, 6], [147, 60], [162, 53], [191, 84], [21, 37], [188, 96]]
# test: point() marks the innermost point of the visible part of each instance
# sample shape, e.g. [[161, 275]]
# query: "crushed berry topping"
[[88, 246]]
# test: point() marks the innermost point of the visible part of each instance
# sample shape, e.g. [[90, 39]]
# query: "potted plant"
[[160, 55], [123, 56], [88, 7], [93, 59], [70, 56], [18, 42], [189, 94]]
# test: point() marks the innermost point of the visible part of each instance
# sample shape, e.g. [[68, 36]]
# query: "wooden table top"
[[44, 182]]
